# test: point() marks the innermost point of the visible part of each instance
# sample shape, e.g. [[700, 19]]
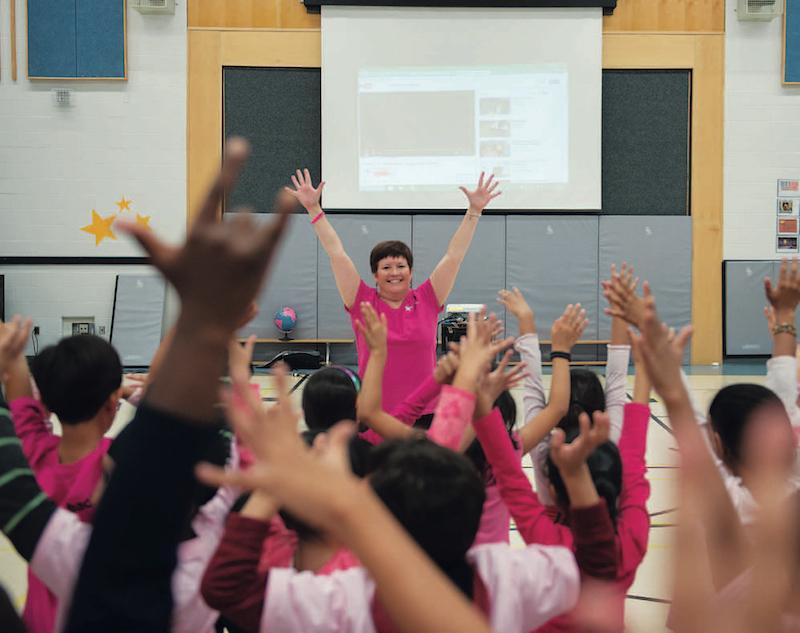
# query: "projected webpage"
[[430, 129]]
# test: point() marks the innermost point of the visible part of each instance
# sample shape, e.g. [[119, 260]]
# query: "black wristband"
[[565, 355]]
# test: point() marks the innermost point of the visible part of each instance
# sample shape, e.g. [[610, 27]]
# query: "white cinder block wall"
[[120, 138], [762, 135]]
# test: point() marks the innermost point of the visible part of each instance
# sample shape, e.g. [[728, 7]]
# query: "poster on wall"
[[788, 188], [787, 226], [788, 206], [787, 244]]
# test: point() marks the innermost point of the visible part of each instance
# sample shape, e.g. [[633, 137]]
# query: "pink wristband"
[[317, 217]]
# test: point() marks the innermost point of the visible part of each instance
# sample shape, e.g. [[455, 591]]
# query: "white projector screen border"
[[366, 51]]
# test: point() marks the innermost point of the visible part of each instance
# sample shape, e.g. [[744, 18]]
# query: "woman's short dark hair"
[[390, 248]]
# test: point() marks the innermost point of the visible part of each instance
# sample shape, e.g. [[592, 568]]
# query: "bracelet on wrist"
[[317, 217], [784, 328], [565, 355]]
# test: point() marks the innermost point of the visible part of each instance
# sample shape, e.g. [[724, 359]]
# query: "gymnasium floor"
[[647, 605]]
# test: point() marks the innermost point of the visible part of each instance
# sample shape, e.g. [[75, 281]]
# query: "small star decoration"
[[101, 226]]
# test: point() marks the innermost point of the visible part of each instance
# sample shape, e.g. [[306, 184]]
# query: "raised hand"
[[309, 483], [305, 192], [661, 351], [570, 458], [13, 338], [476, 350], [373, 328], [568, 328], [483, 194], [447, 366], [220, 268], [784, 296], [620, 292], [515, 303], [496, 382]]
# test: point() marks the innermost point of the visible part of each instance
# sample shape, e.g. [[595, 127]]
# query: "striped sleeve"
[[25, 509]]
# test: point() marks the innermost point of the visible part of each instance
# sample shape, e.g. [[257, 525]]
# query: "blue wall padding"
[[791, 68], [51, 38], [101, 38], [76, 38]]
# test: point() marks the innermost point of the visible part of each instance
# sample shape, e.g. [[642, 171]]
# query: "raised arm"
[[344, 271], [232, 583], [443, 277], [567, 330], [217, 272], [527, 346], [783, 298], [16, 376], [662, 353], [370, 399], [25, 510], [618, 358]]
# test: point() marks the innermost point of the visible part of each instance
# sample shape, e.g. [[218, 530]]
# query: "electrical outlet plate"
[[72, 326]]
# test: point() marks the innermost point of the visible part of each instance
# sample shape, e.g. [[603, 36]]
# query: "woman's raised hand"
[[305, 193], [483, 194]]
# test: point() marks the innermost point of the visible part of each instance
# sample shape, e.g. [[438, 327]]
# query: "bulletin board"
[[77, 39], [791, 43]]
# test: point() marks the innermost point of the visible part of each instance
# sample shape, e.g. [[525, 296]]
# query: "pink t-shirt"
[[411, 354], [70, 486]]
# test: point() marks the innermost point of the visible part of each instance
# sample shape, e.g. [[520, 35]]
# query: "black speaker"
[[2, 298]]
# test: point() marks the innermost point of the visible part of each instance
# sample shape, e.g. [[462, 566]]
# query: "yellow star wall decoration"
[[123, 204], [100, 227]]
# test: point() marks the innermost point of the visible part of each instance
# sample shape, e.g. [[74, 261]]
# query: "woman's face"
[[393, 277]]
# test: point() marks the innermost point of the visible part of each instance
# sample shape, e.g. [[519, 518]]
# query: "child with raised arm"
[[588, 487], [54, 540], [450, 426], [79, 380], [737, 407], [436, 495]]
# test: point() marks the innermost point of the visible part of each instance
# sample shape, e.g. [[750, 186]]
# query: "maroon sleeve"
[[232, 583], [594, 542]]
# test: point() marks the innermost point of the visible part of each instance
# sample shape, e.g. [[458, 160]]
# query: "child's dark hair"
[[436, 495], [390, 248], [329, 397], [730, 413], [605, 466], [508, 409], [77, 376], [359, 451], [586, 396]]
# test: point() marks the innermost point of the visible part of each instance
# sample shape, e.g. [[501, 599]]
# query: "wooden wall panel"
[[251, 14], [630, 15], [706, 16], [705, 55]]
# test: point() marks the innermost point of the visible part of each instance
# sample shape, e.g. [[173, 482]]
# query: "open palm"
[[483, 194]]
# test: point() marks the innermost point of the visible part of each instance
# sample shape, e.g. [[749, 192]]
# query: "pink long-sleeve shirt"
[[454, 413], [70, 485], [535, 525], [410, 409]]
